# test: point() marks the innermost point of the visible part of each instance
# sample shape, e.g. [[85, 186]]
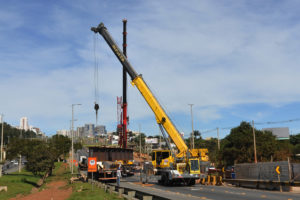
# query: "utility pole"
[[1, 161], [2, 139], [72, 135], [218, 139], [140, 140], [192, 136], [254, 141]]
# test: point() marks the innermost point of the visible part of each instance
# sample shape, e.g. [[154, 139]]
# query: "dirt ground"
[[141, 158], [53, 191]]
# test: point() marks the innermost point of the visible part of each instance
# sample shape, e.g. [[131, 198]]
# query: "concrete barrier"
[[120, 192], [112, 189], [131, 194]]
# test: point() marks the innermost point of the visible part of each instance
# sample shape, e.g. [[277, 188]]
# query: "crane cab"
[[162, 159]]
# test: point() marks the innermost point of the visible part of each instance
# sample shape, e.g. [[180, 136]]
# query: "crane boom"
[[137, 80]]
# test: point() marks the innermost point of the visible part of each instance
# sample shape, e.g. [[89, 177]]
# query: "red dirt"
[[53, 191], [141, 158]]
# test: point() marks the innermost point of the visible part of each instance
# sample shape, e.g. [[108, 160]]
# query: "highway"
[[10, 167], [208, 192]]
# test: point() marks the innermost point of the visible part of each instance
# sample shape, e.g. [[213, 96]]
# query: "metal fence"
[[295, 168], [266, 171]]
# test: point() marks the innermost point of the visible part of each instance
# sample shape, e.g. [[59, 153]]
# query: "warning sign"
[[92, 164], [278, 170]]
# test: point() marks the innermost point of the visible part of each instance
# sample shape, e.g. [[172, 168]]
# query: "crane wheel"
[[165, 180], [191, 182]]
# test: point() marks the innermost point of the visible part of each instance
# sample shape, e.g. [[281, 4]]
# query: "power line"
[[256, 123], [278, 122], [209, 131]]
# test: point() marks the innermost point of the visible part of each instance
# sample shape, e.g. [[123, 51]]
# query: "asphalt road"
[[199, 191], [10, 167]]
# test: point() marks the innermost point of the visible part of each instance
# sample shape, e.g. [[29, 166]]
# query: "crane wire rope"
[[96, 76]]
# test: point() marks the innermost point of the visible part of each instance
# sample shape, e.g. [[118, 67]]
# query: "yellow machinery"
[[184, 167]]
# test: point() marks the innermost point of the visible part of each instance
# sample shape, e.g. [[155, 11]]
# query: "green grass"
[[89, 194], [22, 183], [17, 183]]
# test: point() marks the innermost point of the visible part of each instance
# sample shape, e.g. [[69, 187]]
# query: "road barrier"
[[212, 180], [124, 192], [267, 175]]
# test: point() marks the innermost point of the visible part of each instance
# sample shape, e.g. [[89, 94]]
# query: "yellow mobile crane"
[[184, 167]]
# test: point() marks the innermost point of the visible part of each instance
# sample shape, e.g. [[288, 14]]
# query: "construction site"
[[150, 100], [169, 166]]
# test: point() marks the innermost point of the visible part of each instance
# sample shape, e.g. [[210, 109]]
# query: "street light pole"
[[140, 140], [254, 141], [192, 137], [218, 139], [72, 135], [2, 139]]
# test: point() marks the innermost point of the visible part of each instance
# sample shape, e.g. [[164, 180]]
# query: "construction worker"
[[119, 175]]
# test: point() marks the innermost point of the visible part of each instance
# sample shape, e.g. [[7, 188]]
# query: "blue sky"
[[234, 60]]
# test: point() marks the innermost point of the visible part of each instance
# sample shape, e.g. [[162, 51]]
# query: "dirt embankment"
[[55, 190]]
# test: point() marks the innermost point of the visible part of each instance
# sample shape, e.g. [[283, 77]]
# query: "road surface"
[[199, 191]]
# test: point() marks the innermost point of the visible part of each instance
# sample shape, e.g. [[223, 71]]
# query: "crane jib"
[[138, 81], [101, 29]]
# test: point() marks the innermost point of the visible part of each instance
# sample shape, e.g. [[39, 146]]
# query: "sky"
[[234, 60]]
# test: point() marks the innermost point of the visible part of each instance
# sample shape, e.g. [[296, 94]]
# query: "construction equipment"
[[181, 167], [128, 166], [107, 164]]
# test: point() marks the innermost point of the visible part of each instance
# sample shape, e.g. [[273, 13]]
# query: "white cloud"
[[207, 53]]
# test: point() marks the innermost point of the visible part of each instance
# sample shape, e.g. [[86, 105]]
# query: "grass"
[[84, 191], [22, 183], [17, 183]]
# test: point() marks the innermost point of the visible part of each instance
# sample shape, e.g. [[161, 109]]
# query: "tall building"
[[80, 132], [64, 133], [24, 124], [100, 130], [89, 130]]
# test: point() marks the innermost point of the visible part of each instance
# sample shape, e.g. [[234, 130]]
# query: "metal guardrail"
[[277, 183], [125, 192]]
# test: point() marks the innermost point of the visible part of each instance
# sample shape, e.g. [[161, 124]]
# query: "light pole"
[[192, 137], [218, 139], [72, 135], [254, 142], [2, 139]]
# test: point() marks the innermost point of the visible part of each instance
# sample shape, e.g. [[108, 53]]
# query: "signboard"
[[92, 164], [278, 170], [151, 140]]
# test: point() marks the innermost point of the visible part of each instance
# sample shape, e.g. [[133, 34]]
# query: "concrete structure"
[[281, 133], [64, 133], [80, 132], [89, 130], [100, 131], [24, 124]]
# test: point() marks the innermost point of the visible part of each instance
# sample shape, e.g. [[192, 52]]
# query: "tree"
[[237, 147], [40, 158], [197, 134], [137, 140], [295, 139], [10, 133], [61, 145], [16, 147], [40, 154], [77, 146]]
